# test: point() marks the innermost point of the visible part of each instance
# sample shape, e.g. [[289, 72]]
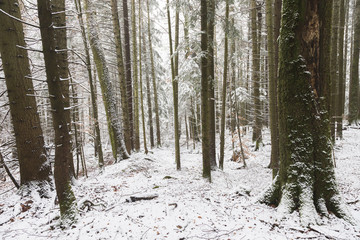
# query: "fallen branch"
[[8, 171], [140, 198]]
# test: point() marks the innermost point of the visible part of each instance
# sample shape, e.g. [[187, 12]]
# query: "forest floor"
[[185, 205]]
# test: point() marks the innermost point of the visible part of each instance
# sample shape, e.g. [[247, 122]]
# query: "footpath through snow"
[[183, 205]]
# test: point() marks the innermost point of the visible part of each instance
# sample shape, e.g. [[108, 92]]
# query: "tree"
[[306, 178], [256, 137], [174, 74], [223, 107], [64, 191], [97, 141], [59, 19], [157, 116], [121, 74], [135, 79], [354, 76], [334, 66], [205, 108], [274, 160], [112, 115], [129, 91], [34, 165], [342, 73]]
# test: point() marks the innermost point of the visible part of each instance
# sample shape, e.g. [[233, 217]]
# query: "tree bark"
[[33, 162]]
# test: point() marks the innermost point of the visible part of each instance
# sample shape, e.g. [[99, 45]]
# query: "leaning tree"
[[306, 179]]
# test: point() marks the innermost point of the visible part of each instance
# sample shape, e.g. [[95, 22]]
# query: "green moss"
[[68, 208]]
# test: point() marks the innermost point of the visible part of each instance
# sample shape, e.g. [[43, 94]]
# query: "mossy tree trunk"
[[59, 19], [153, 75], [64, 192], [121, 74], [354, 76], [306, 179], [97, 140], [112, 115], [34, 165]]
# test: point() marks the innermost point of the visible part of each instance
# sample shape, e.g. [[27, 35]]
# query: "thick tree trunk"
[[306, 180], [113, 117], [153, 75], [129, 91], [354, 78], [33, 162], [62, 137], [121, 74]]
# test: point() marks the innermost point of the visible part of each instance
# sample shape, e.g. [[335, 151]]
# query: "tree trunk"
[[135, 79], [174, 72], [34, 165], [141, 83], [157, 116], [59, 20], [334, 66], [128, 71], [148, 95], [97, 140], [354, 79], [256, 137], [342, 73], [223, 107], [121, 74], [62, 137], [205, 92], [113, 117], [274, 128], [306, 180]]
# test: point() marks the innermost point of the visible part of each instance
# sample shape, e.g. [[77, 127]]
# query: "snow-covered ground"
[[186, 206]]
